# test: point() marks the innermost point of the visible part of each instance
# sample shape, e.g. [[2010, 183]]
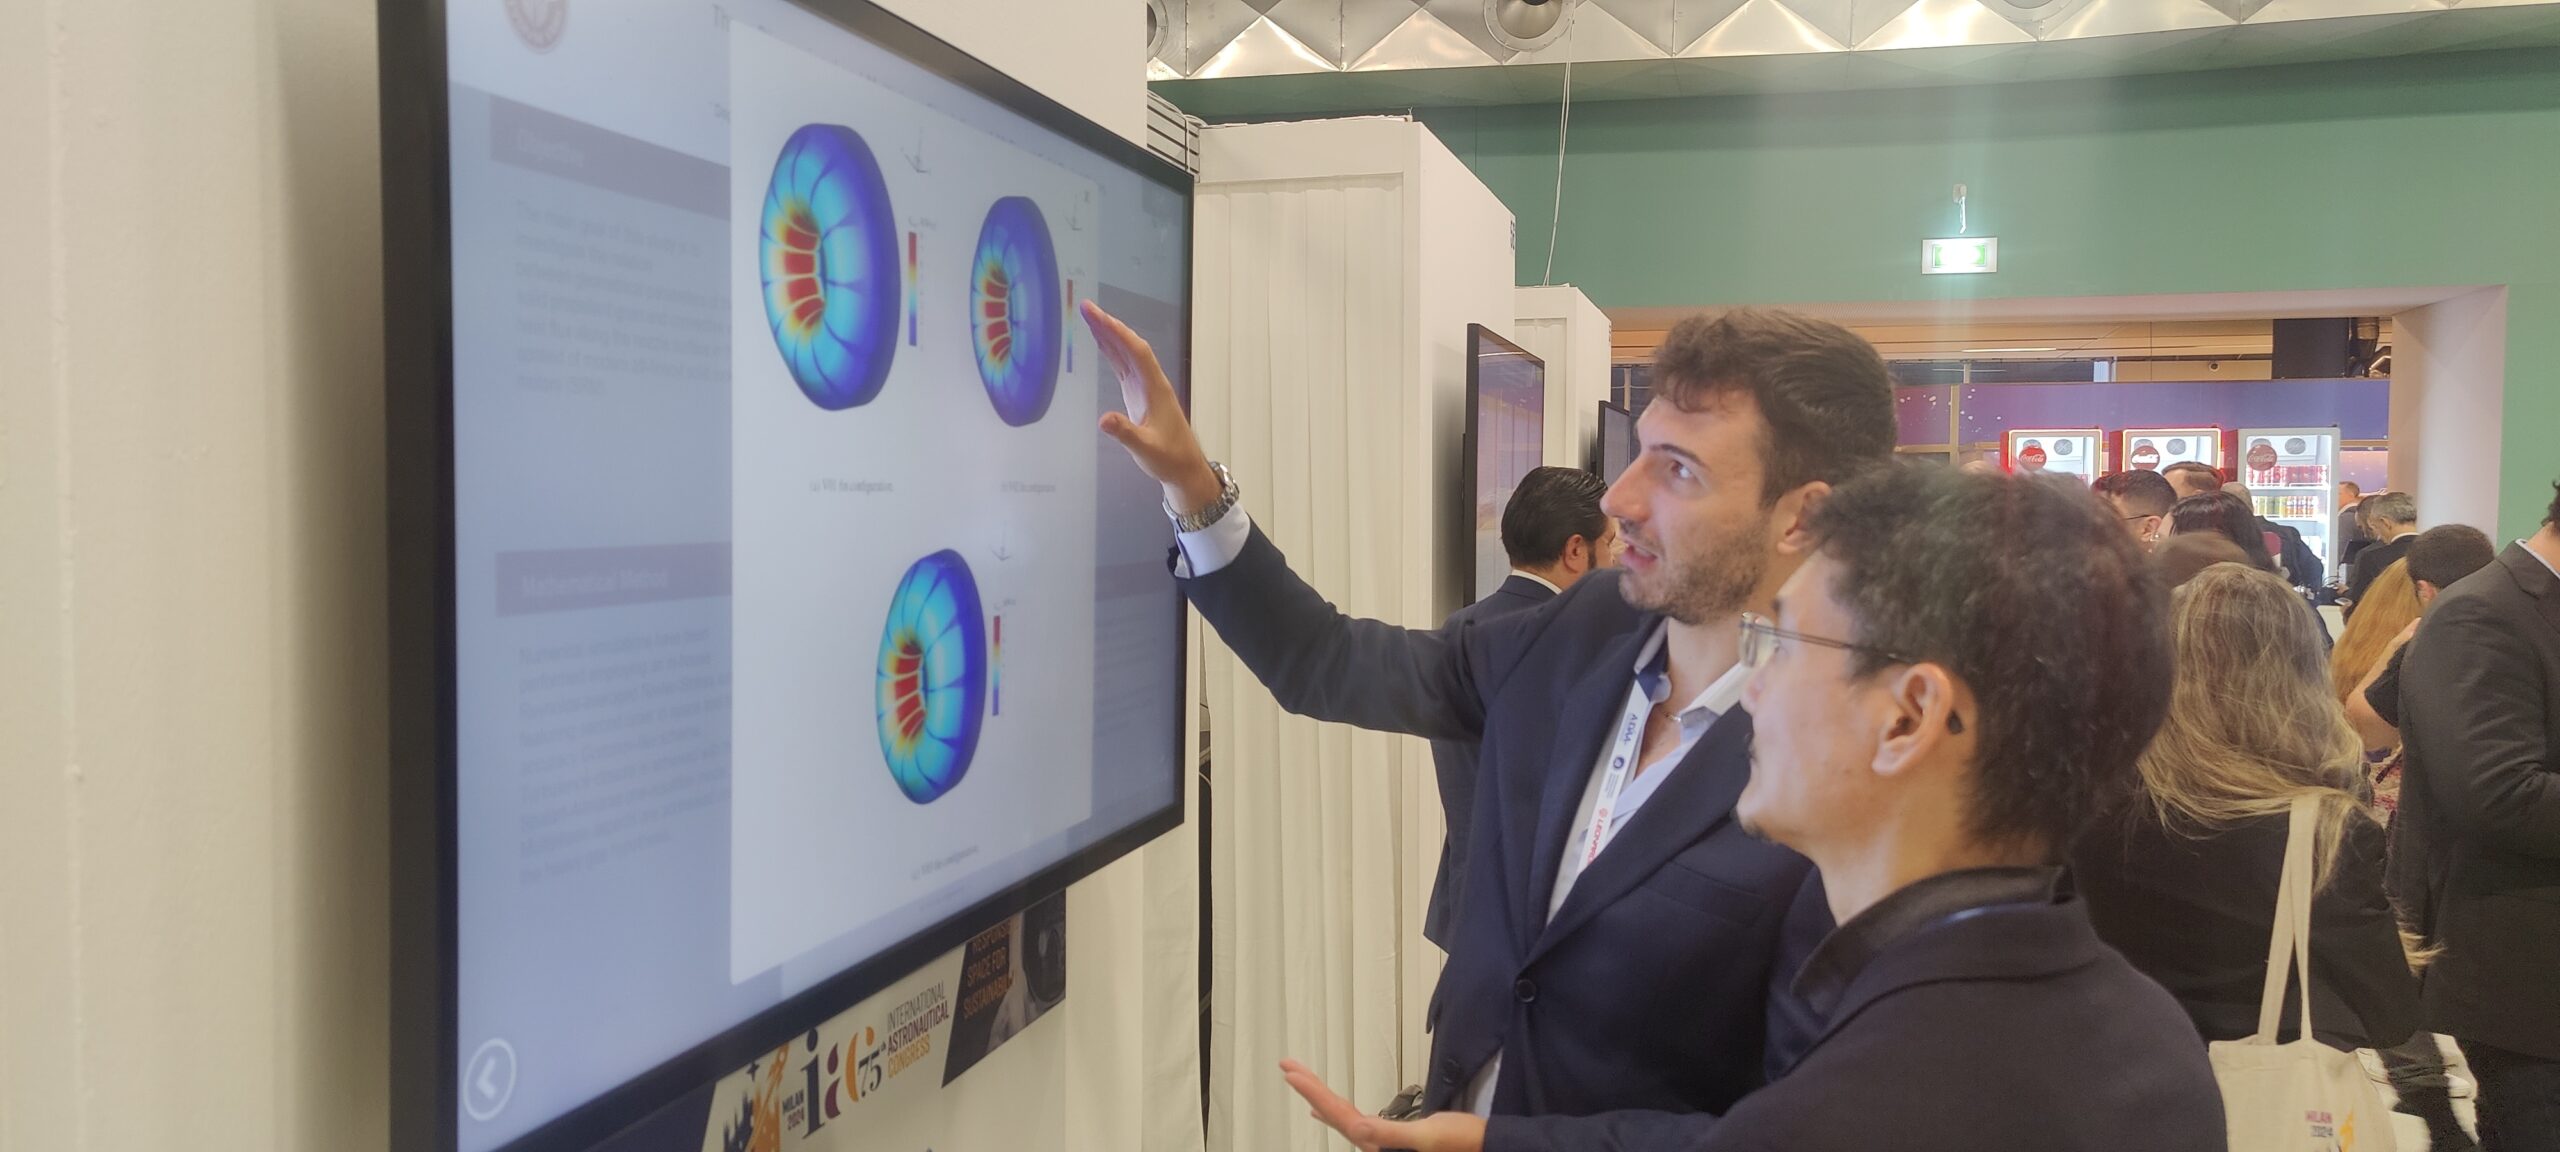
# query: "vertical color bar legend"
[[995, 678], [1071, 325], [911, 289]]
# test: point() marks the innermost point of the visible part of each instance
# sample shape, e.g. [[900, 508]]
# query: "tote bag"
[[2304, 1096]]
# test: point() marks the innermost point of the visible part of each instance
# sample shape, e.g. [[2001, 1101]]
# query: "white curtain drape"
[[1321, 836], [1132, 1067]]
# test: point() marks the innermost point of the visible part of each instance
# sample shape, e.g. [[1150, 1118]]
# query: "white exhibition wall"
[[1560, 325], [1338, 266], [2448, 390]]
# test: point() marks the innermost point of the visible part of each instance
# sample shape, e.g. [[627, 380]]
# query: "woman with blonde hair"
[[2184, 881], [2391, 602]]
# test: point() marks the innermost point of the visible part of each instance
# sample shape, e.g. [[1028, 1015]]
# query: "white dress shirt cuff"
[[1213, 547]]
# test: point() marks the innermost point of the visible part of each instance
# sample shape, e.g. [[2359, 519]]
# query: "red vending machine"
[[2158, 448], [2080, 452], [2293, 474]]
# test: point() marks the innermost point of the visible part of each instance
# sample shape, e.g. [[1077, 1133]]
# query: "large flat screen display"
[[769, 613], [1616, 447], [1506, 437]]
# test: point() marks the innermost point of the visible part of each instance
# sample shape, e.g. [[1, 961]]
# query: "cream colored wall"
[[2448, 396], [1560, 325], [192, 939], [192, 945]]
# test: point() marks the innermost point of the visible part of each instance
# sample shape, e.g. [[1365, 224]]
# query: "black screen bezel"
[[419, 460]]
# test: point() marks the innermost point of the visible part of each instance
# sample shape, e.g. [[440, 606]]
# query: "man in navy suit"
[[1554, 532], [1951, 689], [1621, 932]]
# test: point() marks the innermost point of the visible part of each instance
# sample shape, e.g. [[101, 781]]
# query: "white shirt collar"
[[1549, 585], [1714, 701]]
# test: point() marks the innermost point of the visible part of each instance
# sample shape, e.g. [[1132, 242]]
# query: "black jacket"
[[1650, 986], [2010, 1029], [2194, 912], [2301, 565], [2370, 562], [1454, 761], [2477, 865]]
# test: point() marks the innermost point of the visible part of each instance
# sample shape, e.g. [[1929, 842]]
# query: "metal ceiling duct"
[[1527, 25]]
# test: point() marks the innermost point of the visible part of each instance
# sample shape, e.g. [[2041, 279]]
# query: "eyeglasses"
[[1760, 644]]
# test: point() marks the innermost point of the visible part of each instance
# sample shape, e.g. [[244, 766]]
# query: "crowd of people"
[[1814, 802]]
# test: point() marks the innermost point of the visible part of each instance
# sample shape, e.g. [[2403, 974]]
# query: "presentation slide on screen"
[[912, 513], [799, 604]]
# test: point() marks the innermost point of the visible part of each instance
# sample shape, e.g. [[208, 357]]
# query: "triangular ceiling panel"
[[1314, 23], [1669, 24], [1941, 23], [2036, 17], [1366, 22], [1264, 50], [1866, 17], [1763, 28], [1205, 28], [1466, 18], [2137, 17], [1833, 17], [2237, 9], [1422, 41]]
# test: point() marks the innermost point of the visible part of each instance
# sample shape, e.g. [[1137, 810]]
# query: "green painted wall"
[[2421, 171]]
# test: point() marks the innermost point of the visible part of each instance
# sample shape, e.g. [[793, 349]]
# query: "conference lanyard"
[[1622, 758]]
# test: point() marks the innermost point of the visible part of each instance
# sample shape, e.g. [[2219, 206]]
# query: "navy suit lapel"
[[1593, 706], [1698, 796]]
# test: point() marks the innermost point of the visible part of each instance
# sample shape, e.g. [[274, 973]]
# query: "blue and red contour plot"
[[828, 250], [933, 677], [1017, 318]]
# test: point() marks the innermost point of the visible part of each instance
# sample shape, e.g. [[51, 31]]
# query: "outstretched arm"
[[1316, 660]]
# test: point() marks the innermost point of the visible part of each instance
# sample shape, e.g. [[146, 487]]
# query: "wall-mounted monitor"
[[1614, 444], [768, 615], [1506, 437]]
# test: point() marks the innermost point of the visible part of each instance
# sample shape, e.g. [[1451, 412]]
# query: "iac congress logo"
[[850, 1070]]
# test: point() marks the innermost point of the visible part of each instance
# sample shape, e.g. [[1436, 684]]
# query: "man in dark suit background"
[[2393, 516], [1554, 533], [2480, 811], [1951, 689], [1620, 932]]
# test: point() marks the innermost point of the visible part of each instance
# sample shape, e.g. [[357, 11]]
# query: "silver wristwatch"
[[1212, 512]]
